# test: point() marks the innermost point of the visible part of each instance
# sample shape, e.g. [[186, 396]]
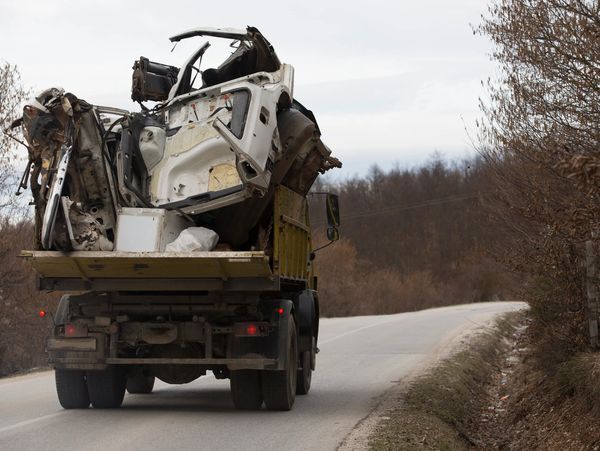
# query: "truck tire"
[[71, 389], [304, 374], [246, 390], [106, 387], [140, 384], [279, 387]]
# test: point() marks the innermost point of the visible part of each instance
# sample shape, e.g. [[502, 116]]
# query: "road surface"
[[360, 359]]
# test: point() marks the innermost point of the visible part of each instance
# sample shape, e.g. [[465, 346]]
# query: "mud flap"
[[63, 355], [282, 331]]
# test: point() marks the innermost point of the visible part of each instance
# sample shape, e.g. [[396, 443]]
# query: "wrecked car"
[[212, 149]]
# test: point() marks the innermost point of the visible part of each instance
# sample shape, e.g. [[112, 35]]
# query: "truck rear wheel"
[[279, 387], [106, 387], [246, 390], [140, 384], [71, 389]]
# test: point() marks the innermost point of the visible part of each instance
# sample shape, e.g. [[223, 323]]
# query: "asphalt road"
[[360, 359]]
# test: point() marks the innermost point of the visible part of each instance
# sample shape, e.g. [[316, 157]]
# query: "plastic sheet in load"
[[194, 239]]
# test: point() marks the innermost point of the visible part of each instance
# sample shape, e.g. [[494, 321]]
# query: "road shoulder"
[[424, 409]]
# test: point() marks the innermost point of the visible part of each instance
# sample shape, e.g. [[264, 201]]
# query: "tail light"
[[251, 329]]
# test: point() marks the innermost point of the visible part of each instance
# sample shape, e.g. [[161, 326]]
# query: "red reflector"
[[70, 330], [280, 311], [251, 329], [42, 313]]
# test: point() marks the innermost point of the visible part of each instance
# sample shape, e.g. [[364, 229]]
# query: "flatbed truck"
[[131, 317]]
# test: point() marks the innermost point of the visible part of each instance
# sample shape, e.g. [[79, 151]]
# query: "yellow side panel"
[[143, 265], [292, 236]]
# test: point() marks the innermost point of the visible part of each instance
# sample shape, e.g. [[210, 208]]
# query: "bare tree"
[[21, 330], [12, 221], [12, 95], [542, 134]]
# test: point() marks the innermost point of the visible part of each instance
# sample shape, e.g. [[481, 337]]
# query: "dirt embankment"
[[528, 406]]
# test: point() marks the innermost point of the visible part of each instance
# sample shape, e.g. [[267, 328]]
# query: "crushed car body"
[[210, 152]]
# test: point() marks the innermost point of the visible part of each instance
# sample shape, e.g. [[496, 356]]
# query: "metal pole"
[[592, 291]]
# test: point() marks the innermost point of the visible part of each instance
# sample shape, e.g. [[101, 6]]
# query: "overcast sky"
[[389, 82]]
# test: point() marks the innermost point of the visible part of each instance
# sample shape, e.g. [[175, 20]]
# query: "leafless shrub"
[[22, 332], [351, 285], [578, 377], [11, 95], [541, 137]]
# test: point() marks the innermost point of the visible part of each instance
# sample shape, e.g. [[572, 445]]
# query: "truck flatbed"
[[147, 271]]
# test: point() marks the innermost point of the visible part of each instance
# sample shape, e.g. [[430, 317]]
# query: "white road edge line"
[[359, 329], [28, 422]]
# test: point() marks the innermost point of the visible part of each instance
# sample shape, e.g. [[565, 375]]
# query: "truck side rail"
[[292, 240]]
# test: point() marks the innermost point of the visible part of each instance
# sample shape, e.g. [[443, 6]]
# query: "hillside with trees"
[[413, 239]]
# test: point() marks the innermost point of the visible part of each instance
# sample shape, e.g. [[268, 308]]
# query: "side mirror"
[[333, 217]]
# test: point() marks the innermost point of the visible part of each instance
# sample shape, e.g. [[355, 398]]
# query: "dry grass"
[[578, 379], [527, 407], [351, 285]]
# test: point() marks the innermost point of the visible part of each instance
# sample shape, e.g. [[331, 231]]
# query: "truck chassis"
[[242, 315]]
